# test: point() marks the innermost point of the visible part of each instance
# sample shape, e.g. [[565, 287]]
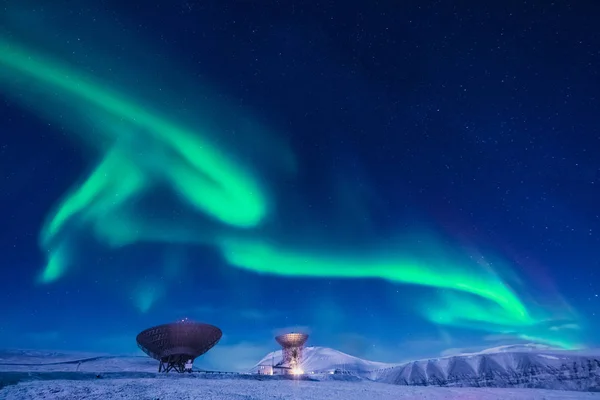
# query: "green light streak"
[[209, 181], [264, 258], [111, 184], [57, 261]]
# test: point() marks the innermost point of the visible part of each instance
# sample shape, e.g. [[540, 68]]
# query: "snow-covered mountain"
[[523, 347], [520, 366], [51, 361], [524, 368], [325, 360]]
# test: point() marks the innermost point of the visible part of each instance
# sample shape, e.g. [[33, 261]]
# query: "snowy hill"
[[522, 367], [517, 366], [325, 360], [47, 361]]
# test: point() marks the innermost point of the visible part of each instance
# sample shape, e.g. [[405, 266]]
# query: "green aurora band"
[[207, 179], [214, 184]]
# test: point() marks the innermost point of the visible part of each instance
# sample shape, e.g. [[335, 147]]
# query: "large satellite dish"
[[177, 344]]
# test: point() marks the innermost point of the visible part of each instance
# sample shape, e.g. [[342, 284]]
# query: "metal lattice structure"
[[292, 345], [177, 344]]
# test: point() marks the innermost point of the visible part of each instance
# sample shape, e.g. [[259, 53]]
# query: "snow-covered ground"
[[173, 387], [45, 361], [60, 375]]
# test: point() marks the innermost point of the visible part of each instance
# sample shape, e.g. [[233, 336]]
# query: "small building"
[[268, 369], [281, 370], [265, 370]]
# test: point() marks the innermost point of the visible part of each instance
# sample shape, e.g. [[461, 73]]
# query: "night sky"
[[400, 179]]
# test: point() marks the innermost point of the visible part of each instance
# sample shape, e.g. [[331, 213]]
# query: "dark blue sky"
[[474, 127]]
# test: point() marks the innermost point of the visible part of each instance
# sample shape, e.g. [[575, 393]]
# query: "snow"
[[549, 357], [529, 368], [515, 347], [174, 387], [499, 374], [516, 366], [49, 361]]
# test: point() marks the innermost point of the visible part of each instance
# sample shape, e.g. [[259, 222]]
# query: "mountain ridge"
[[516, 366]]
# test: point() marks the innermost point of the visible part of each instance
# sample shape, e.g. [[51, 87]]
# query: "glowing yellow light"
[[297, 371]]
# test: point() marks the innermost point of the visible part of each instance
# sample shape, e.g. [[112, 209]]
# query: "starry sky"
[[399, 179]]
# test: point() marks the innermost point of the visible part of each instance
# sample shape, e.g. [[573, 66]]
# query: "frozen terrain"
[[330, 375], [190, 387], [524, 367], [45, 361]]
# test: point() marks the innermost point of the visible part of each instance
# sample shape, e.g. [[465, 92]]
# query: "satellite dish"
[[174, 344]]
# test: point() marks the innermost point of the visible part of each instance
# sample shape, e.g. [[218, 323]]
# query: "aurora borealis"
[[185, 182]]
